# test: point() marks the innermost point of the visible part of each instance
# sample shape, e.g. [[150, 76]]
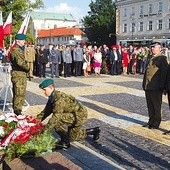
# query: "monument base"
[[48, 161]]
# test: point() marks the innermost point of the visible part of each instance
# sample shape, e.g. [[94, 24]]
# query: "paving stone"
[[129, 150]]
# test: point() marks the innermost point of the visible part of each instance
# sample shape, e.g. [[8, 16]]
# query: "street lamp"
[[133, 30], [115, 35]]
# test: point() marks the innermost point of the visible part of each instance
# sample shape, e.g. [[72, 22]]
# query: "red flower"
[[31, 119], [23, 137], [5, 126]]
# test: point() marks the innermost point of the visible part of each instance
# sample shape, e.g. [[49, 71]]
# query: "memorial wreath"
[[21, 136]]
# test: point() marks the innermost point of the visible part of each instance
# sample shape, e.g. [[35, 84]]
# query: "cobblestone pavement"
[[116, 104]]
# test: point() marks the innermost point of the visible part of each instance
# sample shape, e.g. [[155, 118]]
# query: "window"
[[55, 26], [160, 24], [140, 26], [42, 26], [141, 9], [125, 12], [49, 25], [125, 28], [150, 8], [169, 5], [133, 27], [168, 24], [160, 7], [133, 11], [150, 25]]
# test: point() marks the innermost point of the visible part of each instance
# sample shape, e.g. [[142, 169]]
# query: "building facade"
[[45, 20], [143, 21], [63, 35]]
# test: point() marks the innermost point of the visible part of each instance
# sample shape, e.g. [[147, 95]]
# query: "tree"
[[19, 9], [101, 22]]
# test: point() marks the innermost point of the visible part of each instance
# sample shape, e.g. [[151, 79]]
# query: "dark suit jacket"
[[156, 74]]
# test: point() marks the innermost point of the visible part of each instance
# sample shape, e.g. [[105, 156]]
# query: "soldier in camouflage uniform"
[[19, 73], [68, 115]]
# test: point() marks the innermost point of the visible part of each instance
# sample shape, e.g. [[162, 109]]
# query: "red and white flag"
[[22, 30], [24, 26], [8, 25], [1, 31]]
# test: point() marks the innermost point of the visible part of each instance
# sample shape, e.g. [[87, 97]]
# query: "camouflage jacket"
[[18, 62], [61, 103]]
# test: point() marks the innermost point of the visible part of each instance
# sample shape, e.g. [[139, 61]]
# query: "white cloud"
[[64, 8]]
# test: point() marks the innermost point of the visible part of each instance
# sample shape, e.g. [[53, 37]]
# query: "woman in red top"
[[125, 61]]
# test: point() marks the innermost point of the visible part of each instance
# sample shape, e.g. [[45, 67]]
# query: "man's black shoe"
[[94, 131], [62, 145], [17, 112], [152, 127], [166, 133], [146, 125]]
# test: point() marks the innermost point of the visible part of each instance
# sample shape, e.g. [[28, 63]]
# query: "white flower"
[[21, 116], [1, 148], [1, 130], [31, 124], [2, 117], [10, 115], [10, 119]]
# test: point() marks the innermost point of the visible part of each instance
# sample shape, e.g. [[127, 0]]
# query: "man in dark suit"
[[43, 60], [113, 57], [154, 82], [130, 51], [120, 57]]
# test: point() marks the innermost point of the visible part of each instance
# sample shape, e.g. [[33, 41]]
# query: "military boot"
[[93, 131], [17, 112], [64, 143]]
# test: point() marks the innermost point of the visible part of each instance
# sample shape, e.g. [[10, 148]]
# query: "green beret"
[[46, 83], [20, 37]]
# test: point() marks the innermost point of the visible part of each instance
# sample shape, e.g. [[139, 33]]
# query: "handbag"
[[88, 68]]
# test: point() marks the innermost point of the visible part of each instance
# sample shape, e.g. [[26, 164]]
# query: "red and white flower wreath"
[[26, 127]]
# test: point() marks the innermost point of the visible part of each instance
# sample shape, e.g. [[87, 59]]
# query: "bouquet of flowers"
[[20, 136]]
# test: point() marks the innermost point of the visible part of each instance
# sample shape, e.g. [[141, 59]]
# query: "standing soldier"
[[30, 58], [19, 72], [55, 60], [78, 60], [154, 83], [67, 59]]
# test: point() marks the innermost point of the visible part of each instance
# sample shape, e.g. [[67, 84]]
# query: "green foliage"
[[101, 21], [104, 67], [7, 127], [35, 146], [19, 9]]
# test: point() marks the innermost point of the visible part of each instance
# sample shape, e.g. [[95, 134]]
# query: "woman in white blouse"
[[86, 62], [97, 61]]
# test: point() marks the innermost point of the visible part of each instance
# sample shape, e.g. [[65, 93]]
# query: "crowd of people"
[[66, 60], [28, 60]]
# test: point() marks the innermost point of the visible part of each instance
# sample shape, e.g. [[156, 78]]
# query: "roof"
[[64, 31], [51, 16]]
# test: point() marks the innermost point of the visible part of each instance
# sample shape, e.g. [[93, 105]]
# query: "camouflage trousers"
[[19, 90], [71, 124], [31, 66]]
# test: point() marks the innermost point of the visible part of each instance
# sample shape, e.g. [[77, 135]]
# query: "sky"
[[78, 8]]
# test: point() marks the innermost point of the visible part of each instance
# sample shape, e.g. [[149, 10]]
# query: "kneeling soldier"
[[68, 115]]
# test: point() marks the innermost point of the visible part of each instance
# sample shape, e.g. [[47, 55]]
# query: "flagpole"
[[10, 39]]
